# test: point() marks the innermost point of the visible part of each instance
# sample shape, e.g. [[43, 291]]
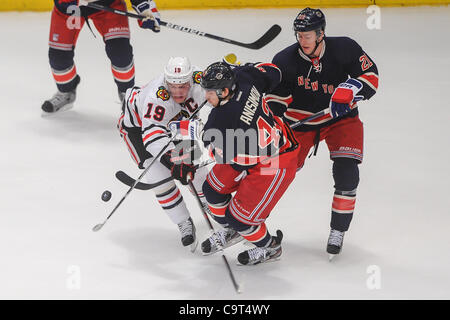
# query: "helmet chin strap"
[[315, 48], [221, 97]]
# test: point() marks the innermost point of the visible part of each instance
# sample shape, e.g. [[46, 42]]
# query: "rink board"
[[46, 5]]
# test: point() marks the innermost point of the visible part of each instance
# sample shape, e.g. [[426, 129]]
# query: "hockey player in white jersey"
[[143, 125]]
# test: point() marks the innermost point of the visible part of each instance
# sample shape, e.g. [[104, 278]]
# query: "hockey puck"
[[106, 195]]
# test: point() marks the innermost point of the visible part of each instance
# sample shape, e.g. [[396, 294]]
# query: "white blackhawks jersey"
[[151, 108]]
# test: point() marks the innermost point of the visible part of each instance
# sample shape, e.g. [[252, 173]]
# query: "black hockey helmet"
[[218, 76], [310, 19]]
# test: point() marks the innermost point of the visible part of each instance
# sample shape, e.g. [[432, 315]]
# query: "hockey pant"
[[64, 31], [256, 194], [345, 143]]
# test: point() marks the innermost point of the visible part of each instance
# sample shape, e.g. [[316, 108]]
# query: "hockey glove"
[[153, 18], [179, 171], [231, 60], [186, 129], [344, 96]]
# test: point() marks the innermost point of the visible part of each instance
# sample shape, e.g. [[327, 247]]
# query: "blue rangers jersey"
[[243, 131], [308, 84]]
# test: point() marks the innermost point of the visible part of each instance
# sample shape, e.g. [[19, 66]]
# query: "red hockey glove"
[[343, 96]]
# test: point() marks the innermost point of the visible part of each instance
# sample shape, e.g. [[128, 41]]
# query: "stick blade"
[[127, 180], [266, 38], [97, 227]]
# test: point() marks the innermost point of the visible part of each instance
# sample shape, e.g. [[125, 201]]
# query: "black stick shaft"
[[205, 215], [258, 44], [316, 115]]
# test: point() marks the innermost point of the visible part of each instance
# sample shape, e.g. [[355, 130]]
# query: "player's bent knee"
[[119, 51], [345, 174], [60, 59], [212, 196], [234, 223]]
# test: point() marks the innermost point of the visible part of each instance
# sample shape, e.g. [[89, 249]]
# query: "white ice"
[[54, 170]]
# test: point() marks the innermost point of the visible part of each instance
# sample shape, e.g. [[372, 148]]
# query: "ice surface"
[[54, 170]]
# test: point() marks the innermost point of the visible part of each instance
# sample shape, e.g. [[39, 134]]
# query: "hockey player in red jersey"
[[258, 168], [327, 72], [116, 36]]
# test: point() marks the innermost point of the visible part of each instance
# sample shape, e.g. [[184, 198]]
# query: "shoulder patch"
[[163, 94], [197, 76]]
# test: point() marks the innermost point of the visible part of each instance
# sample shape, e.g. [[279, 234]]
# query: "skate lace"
[[185, 228], [257, 253], [59, 97], [336, 237], [222, 237]]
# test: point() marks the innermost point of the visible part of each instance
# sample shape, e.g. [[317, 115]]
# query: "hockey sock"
[[258, 235]]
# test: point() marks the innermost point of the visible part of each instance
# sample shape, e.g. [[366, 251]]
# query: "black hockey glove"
[[183, 172], [179, 170]]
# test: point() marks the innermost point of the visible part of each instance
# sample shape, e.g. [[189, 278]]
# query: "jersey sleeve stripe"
[[154, 126], [282, 100], [137, 118], [154, 140], [148, 136], [371, 79]]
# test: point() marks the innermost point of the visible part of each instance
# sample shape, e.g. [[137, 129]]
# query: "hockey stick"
[[129, 181], [258, 44], [317, 115], [225, 260], [97, 227], [310, 118]]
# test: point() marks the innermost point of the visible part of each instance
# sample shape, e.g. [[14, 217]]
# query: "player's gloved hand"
[[179, 170], [183, 172], [344, 96], [231, 60], [152, 16], [186, 129]]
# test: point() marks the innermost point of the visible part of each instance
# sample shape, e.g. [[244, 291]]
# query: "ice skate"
[[335, 243], [61, 101], [188, 237], [220, 240], [262, 254]]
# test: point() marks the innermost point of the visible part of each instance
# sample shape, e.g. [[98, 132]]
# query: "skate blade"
[[331, 257], [45, 114], [193, 246], [262, 262], [273, 259], [229, 244]]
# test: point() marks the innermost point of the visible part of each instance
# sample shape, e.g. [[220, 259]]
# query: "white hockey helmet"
[[178, 70]]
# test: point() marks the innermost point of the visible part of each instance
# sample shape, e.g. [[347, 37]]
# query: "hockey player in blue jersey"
[[322, 72], [256, 159]]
